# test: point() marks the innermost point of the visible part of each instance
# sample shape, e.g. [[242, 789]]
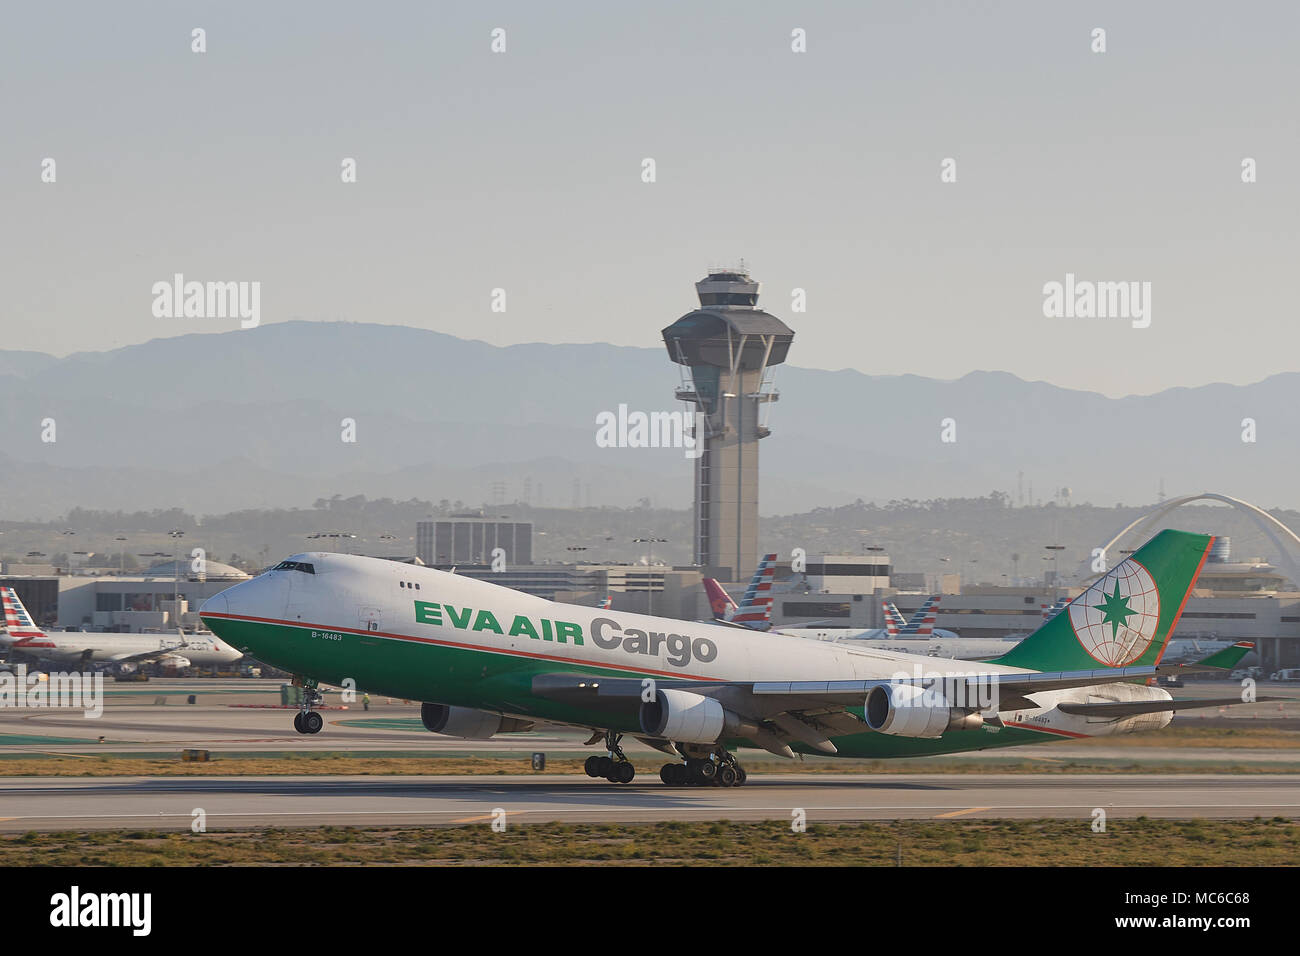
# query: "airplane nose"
[[217, 604]]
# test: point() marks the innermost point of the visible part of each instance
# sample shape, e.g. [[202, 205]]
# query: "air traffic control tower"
[[727, 348]]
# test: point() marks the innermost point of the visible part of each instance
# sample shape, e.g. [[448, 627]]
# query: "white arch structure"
[[1282, 537]]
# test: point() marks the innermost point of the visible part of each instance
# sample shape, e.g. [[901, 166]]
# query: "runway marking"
[[56, 753], [781, 812], [958, 813]]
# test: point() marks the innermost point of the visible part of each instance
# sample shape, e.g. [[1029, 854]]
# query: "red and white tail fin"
[[755, 608], [922, 622], [720, 602], [607, 603], [893, 620], [17, 621]]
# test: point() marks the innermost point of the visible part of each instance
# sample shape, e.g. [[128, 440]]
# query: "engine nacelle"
[[681, 716], [467, 723], [906, 710]]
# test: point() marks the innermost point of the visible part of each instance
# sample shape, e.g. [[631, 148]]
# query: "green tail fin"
[[1127, 617]]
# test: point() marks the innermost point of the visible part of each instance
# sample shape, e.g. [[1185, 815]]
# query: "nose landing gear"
[[307, 721]]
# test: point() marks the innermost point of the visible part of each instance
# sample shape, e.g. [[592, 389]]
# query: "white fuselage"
[[77, 646], [388, 601]]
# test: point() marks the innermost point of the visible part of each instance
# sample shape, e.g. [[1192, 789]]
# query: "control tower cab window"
[[303, 566]]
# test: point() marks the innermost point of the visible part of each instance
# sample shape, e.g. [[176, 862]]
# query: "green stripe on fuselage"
[[498, 681]]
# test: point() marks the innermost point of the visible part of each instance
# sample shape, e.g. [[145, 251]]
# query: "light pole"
[[176, 535], [335, 535], [68, 533], [650, 587], [147, 554], [1056, 574]]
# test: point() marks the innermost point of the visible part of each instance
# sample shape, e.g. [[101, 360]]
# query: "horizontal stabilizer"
[[1224, 660]]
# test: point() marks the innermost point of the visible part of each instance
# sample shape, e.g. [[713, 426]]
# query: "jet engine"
[[686, 718], [682, 716], [906, 710], [467, 723]]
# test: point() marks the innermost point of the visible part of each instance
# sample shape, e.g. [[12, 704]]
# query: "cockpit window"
[[295, 566]]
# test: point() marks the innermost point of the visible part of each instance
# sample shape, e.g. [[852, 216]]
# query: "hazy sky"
[[522, 170]]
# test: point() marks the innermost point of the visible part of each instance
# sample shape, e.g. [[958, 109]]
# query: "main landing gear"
[[705, 766], [307, 721], [615, 768], [716, 768]]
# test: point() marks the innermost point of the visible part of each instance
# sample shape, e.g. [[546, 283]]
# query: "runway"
[[155, 717], [240, 802]]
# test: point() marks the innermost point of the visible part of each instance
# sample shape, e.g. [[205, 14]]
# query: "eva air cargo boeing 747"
[[489, 659]]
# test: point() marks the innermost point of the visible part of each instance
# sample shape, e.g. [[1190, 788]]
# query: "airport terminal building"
[[1238, 601]]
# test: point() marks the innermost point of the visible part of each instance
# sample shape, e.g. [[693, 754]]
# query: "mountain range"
[[253, 418]]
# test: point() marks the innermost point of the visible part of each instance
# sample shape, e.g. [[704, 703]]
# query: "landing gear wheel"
[[675, 775], [307, 720], [726, 776], [706, 771], [592, 765], [741, 776], [615, 768]]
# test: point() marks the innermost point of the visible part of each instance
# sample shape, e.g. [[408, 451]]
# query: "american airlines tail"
[[756, 606], [755, 609], [893, 620], [18, 623], [921, 623]]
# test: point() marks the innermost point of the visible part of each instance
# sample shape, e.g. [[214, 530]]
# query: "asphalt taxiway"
[[241, 716], [236, 802]]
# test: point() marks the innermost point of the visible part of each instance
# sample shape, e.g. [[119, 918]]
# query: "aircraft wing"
[[722, 622], [827, 622], [811, 711], [835, 693], [144, 657], [1118, 709]]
